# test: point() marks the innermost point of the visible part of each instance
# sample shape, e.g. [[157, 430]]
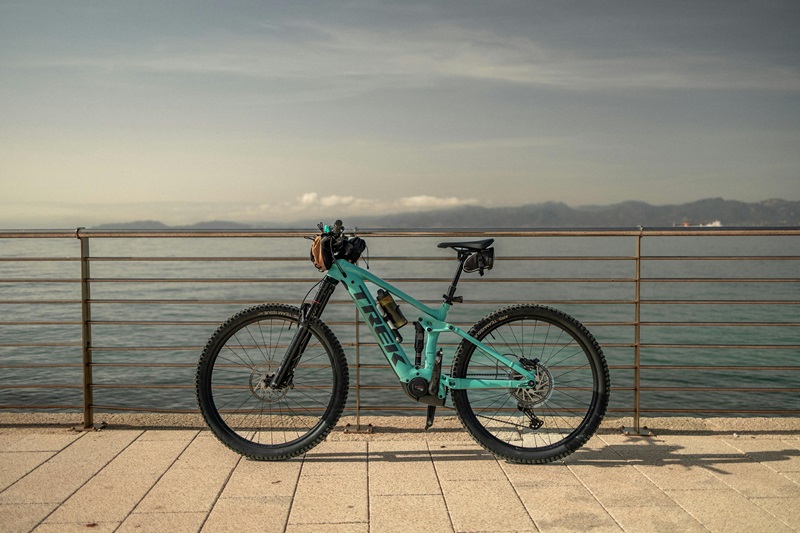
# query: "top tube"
[[342, 270]]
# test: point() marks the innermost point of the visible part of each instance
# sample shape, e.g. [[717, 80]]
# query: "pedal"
[[429, 418]]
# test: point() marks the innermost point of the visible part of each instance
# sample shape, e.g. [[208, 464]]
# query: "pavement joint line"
[[516, 492], [294, 492], [367, 455], [441, 489], [171, 464], [221, 490], [585, 486]]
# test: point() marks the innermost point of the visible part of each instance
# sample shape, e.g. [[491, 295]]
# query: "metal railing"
[[692, 320]]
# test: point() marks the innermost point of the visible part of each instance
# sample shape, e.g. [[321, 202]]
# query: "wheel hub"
[[259, 386], [539, 393]]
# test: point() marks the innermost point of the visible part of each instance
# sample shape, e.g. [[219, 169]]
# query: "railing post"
[[637, 341], [349, 428], [86, 334]]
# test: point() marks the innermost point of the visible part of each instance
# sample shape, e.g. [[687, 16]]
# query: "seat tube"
[[308, 312]]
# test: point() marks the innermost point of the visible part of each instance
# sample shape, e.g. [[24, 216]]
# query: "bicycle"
[[528, 382]]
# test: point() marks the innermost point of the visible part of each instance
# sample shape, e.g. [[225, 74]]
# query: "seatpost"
[[451, 297]]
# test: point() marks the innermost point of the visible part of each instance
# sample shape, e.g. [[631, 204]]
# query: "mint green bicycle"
[[528, 382]]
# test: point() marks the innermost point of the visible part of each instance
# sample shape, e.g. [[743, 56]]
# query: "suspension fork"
[[308, 313]]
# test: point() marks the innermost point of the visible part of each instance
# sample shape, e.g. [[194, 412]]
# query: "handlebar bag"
[[321, 253]]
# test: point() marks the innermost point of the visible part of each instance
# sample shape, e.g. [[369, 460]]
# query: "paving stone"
[[253, 479], [331, 500], [14, 466], [183, 490], [488, 505], [349, 527], [655, 519], [777, 455], [787, 510], [681, 476], [465, 462], [249, 514], [402, 469], [47, 442], [755, 480], [336, 459], [725, 510], [566, 508], [540, 476], [208, 451], [78, 527], [172, 522], [23, 516], [401, 514]]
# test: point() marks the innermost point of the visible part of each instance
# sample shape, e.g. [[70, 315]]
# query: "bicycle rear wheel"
[[545, 422], [234, 373]]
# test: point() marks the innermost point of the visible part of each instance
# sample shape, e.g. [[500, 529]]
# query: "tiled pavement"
[[145, 479]]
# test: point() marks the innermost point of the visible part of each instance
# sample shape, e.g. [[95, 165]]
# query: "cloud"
[[310, 200], [434, 202]]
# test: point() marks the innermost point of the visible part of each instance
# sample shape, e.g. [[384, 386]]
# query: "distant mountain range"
[[547, 215]]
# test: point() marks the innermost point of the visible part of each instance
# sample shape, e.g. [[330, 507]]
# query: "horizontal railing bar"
[[720, 280], [425, 232], [140, 386], [315, 280], [757, 368], [724, 346], [304, 259], [720, 258], [38, 259], [146, 365], [720, 324], [40, 302], [40, 386], [718, 389], [102, 407], [50, 406], [42, 365], [793, 412], [39, 345], [335, 323], [43, 323], [720, 302], [40, 280], [343, 302]]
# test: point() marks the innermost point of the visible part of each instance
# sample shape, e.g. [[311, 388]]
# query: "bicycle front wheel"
[[551, 419], [234, 373]]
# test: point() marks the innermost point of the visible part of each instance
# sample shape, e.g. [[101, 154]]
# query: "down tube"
[[368, 309]]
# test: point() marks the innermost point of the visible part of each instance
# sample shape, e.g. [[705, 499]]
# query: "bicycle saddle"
[[473, 246]]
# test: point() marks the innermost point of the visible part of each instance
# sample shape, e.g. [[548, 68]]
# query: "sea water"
[[151, 318]]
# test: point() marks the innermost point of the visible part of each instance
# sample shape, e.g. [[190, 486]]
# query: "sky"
[[259, 111]]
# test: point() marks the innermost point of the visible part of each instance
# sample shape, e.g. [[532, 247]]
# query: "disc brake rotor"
[[537, 395], [259, 386]]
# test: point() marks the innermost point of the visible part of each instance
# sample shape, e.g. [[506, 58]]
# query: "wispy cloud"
[[335, 59]]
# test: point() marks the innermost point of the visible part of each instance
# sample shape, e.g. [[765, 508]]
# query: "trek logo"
[[386, 337]]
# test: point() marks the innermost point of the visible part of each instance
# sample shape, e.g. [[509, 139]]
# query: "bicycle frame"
[[354, 278]]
